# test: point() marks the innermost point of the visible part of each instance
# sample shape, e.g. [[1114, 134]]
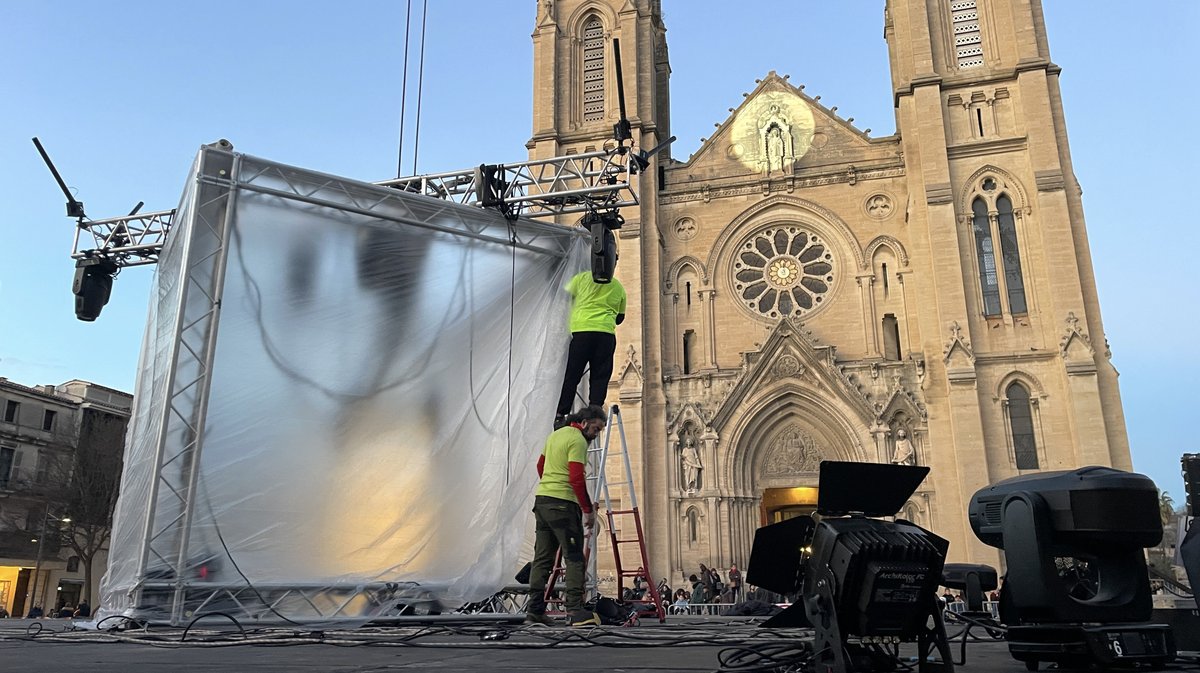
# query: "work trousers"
[[588, 349], [559, 525]]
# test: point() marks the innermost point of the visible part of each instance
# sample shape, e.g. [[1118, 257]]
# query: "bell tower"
[[1006, 290], [575, 101], [575, 105]]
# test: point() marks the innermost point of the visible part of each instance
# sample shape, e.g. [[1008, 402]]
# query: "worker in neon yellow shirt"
[[595, 313], [564, 514]]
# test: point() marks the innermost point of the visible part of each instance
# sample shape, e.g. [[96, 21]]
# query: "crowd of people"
[[705, 587], [63, 611]]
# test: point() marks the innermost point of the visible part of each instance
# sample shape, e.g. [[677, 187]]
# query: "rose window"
[[784, 271]]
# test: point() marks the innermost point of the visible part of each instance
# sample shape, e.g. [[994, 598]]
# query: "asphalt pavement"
[[682, 644]]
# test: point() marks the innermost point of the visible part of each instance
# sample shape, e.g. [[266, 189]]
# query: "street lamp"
[[37, 566]]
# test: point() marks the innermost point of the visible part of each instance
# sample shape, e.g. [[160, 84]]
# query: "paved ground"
[[684, 644]]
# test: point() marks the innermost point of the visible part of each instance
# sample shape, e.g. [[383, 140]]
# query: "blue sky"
[[122, 94]]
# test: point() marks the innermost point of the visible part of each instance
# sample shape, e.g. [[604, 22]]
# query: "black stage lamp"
[[604, 243], [864, 582], [973, 580], [1190, 465], [1077, 585], [1189, 548], [92, 286]]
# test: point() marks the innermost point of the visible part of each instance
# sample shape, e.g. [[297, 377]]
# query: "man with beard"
[[563, 510]]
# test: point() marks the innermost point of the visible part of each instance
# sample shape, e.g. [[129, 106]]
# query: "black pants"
[[588, 349]]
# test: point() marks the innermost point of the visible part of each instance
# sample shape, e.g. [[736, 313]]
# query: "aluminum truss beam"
[[544, 188]]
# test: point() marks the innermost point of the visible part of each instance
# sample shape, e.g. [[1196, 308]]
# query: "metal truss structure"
[[132, 240], [544, 188], [166, 586]]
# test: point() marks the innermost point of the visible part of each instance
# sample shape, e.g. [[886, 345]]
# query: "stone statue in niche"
[[774, 149], [690, 459], [904, 454], [775, 140]]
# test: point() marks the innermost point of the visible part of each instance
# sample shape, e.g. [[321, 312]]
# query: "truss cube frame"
[[292, 381]]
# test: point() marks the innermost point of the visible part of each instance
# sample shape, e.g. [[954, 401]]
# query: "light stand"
[[866, 584]]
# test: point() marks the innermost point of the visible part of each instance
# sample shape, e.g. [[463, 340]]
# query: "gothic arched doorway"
[[781, 504]]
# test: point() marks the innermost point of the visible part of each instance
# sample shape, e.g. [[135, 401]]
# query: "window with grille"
[[968, 43], [1020, 419], [593, 70]]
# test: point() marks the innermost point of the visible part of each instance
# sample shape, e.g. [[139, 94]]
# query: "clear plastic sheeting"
[[342, 393]]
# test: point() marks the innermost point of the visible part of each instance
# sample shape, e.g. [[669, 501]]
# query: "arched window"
[[1011, 255], [997, 251], [988, 278], [891, 337], [593, 70], [1020, 420], [693, 520]]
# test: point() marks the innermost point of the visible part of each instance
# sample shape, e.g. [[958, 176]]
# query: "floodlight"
[[864, 582], [92, 286], [1077, 582]]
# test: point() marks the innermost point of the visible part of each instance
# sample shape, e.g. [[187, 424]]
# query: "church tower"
[[1006, 295], [801, 291], [575, 105]]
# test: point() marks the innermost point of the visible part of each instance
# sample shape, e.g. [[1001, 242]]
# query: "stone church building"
[[799, 291]]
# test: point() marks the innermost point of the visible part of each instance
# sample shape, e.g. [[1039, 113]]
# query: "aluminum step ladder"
[[599, 484]]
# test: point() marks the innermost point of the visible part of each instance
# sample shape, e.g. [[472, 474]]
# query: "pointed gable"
[[777, 130], [788, 354]]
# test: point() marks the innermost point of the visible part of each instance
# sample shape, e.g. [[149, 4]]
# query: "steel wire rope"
[[420, 84], [403, 91]]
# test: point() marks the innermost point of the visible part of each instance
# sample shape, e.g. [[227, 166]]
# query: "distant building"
[[51, 440]]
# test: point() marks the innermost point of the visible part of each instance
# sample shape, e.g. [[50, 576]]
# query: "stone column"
[[711, 321], [866, 285], [674, 338], [909, 343]]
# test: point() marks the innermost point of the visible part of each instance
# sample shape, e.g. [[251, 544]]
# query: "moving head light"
[[92, 286], [974, 580], [863, 582], [604, 243], [1077, 575]]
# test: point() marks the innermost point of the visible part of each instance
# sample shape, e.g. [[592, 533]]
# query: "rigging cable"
[[420, 83], [403, 92]]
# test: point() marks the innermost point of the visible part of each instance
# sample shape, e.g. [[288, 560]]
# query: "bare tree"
[[92, 487]]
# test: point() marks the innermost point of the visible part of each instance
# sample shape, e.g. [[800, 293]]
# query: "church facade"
[[800, 291]]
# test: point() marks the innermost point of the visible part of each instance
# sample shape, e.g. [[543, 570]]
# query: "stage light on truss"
[[92, 286], [601, 224], [863, 581], [1076, 591]]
